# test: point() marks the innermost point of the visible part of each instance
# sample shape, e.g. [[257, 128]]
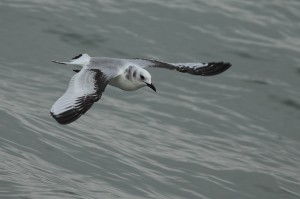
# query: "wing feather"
[[84, 89], [203, 69]]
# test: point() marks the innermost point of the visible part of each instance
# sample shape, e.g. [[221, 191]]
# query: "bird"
[[89, 82]]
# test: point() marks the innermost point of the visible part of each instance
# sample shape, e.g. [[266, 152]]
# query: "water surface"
[[235, 135]]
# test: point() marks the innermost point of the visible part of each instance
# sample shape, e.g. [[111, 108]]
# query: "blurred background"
[[235, 135]]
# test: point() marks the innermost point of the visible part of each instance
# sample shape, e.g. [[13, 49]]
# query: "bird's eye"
[[142, 77]]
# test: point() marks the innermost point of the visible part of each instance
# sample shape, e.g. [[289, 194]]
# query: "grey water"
[[235, 135]]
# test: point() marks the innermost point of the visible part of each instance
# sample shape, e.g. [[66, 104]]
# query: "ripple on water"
[[229, 136]]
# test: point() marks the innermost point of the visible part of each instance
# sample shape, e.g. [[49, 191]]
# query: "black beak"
[[151, 86]]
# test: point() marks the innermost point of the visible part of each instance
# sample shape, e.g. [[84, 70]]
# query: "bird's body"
[[88, 84], [124, 83], [126, 80]]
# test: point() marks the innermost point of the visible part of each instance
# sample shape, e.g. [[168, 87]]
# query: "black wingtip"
[[76, 57], [67, 117], [215, 68]]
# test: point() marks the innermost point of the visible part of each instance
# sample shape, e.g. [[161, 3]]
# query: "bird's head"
[[143, 78]]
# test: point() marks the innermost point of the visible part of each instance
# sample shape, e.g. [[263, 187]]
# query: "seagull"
[[89, 82]]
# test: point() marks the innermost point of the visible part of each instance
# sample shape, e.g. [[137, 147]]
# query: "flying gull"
[[89, 82]]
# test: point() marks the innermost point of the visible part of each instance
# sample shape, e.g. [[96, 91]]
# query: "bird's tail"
[[79, 60]]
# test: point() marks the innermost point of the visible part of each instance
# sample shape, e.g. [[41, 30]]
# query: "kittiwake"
[[89, 82]]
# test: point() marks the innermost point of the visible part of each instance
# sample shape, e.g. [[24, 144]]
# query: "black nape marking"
[[134, 73], [128, 72], [76, 57]]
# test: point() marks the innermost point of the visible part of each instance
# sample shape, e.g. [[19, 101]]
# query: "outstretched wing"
[[204, 69], [84, 89]]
